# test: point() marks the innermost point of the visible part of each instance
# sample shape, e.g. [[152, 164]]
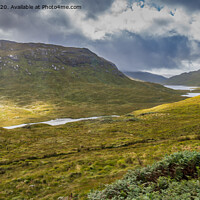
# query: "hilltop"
[[188, 78], [44, 81]]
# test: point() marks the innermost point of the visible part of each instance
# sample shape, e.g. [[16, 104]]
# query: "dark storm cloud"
[[191, 5], [22, 19], [30, 22], [94, 8], [30, 25], [162, 22], [133, 53], [11, 20]]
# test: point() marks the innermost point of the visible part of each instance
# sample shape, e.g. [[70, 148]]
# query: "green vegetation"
[[190, 79], [41, 82], [46, 162], [175, 177]]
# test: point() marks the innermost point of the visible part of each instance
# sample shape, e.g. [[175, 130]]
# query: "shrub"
[[166, 179]]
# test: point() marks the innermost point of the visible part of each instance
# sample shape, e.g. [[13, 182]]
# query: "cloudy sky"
[[159, 36]]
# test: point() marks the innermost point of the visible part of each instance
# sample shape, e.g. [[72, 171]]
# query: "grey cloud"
[[28, 25], [32, 28], [190, 5], [94, 8], [132, 52], [162, 22]]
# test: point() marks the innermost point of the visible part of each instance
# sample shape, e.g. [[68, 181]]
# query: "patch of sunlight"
[[11, 113], [169, 106]]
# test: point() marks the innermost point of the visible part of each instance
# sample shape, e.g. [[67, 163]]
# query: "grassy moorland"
[[45, 162], [40, 82]]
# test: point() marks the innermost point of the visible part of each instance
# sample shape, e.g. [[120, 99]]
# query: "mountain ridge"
[[146, 76], [191, 78]]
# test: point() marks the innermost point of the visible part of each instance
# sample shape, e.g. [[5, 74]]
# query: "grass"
[[11, 113], [45, 162], [79, 100], [39, 82]]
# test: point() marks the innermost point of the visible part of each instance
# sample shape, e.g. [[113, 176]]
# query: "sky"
[[158, 36]]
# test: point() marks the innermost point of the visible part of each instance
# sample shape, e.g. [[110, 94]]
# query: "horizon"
[[136, 35]]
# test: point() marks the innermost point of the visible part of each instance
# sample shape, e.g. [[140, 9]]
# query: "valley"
[[41, 82], [100, 100], [48, 162], [45, 84]]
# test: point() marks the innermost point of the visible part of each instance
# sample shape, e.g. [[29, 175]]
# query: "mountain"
[[44, 81], [146, 76], [190, 79]]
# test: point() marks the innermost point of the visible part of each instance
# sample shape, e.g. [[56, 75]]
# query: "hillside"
[[190, 79], [146, 76], [42, 81], [55, 162]]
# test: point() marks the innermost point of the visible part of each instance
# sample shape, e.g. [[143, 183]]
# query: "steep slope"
[[48, 162], [145, 76], [41, 81], [190, 79]]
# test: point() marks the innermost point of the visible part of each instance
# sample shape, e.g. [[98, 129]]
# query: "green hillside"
[[40, 82], [190, 79], [56, 162]]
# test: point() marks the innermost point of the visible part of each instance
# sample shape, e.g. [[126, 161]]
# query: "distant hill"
[[47, 81], [146, 76], [190, 79]]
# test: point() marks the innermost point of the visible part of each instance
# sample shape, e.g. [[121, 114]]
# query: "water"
[[62, 121], [191, 94], [57, 122], [183, 87]]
